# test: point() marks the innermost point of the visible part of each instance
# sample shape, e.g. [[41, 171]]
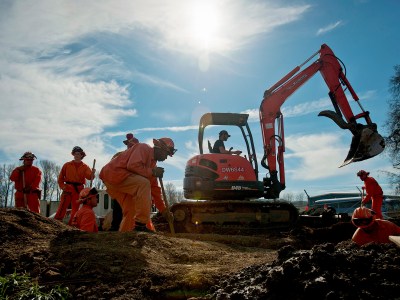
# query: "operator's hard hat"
[[28, 155], [166, 144], [130, 137], [363, 217], [78, 149], [224, 132], [87, 193], [362, 173]]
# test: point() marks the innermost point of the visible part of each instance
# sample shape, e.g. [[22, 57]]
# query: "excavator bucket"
[[363, 146]]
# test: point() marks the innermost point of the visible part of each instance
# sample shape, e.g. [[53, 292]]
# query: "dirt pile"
[[344, 271], [111, 265], [278, 265]]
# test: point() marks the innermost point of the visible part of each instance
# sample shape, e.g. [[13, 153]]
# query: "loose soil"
[[298, 264]]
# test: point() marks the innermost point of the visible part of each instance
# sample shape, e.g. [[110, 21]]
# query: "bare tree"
[[300, 197], [49, 184], [6, 185], [173, 196], [393, 125], [288, 197]]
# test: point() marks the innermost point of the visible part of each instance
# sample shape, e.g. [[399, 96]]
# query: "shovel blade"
[[364, 146]]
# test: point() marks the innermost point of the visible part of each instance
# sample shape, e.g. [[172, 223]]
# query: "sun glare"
[[204, 26]]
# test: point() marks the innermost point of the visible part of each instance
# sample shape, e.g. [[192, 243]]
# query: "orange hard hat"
[[363, 217], [87, 193], [362, 173], [166, 144]]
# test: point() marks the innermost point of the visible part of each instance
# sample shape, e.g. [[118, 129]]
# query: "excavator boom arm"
[[367, 141]]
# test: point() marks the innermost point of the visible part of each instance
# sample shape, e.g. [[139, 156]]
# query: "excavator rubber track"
[[233, 216]]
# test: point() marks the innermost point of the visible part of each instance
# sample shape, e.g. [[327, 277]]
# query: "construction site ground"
[[301, 263]]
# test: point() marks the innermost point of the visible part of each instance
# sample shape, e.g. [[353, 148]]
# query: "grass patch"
[[21, 286]]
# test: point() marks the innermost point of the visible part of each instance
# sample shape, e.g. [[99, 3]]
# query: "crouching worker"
[[370, 229], [131, 179], [85, 219]]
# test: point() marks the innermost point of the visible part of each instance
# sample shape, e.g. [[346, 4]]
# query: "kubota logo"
[[232, 169]]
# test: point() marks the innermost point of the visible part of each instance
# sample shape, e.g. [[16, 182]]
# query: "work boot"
[[141, 227]]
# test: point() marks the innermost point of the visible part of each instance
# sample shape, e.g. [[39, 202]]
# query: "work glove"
[[169, 216], [158, 172]]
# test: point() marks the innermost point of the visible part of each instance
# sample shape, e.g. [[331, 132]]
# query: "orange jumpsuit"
[[374, 192], [85, 219], [128, 178], [71, 179], [33, 176], [376, 233]]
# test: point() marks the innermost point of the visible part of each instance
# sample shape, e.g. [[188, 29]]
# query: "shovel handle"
[[23, 185], [171, 224], [91, 180]]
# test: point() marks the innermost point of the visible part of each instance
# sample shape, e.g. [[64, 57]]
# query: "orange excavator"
[[224, 190]]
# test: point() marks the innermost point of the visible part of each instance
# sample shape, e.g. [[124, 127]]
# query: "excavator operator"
[[219, 146]]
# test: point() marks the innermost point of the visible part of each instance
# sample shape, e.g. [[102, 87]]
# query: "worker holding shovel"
[[27, 181], [131, 179], [373, 191], [71, 180]]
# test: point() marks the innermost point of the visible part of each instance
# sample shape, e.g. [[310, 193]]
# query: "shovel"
[[23, 185], [171, 224], [91, 180]]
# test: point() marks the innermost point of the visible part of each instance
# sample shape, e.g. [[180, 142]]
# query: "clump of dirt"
[[344, 271], [110, 265]]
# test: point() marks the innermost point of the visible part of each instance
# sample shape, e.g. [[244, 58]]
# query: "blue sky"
[[87, 72]]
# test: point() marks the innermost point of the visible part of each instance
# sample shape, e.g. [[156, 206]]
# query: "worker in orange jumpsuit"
[[370, 229], [373, 192], [85, 218], [27, 180], [71, 180], [131, 179], [117, 210]]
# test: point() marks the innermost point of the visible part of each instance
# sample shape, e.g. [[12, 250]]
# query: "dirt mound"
[[277, 265], [112, 265], [344, 271]]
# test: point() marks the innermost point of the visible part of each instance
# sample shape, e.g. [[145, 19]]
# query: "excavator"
[[224, 191]]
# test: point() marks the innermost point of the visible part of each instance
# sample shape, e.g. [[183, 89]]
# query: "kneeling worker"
[[131, 179], [370, 229], [85, 219]]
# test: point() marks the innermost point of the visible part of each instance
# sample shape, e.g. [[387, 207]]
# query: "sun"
[[204, 25]]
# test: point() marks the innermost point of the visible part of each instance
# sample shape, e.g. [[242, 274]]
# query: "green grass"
[[21, 287]]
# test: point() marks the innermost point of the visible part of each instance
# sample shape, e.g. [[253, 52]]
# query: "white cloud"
[[319, 155], [330, 27], [55, 83]]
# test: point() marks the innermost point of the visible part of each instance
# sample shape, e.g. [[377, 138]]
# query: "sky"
[[85, 73]]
